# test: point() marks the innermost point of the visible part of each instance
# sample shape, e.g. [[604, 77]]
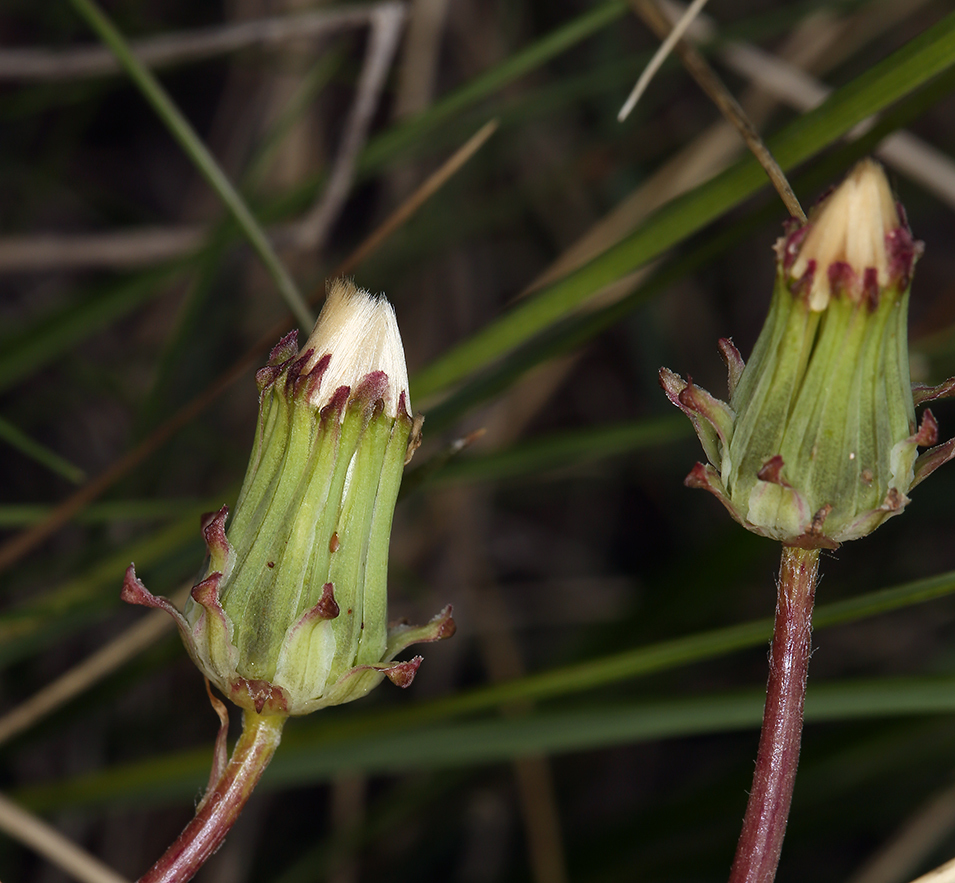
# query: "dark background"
[[561, 558]]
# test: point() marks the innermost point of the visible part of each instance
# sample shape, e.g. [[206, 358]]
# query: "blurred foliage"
[[610, 621]]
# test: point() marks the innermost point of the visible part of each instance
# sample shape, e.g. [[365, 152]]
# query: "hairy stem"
[[223, 802], [764, 826]]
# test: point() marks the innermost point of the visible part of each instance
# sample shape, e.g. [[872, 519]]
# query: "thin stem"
[[707, 79], [44, 839], [764, 826], [223, 802], [197, 151]]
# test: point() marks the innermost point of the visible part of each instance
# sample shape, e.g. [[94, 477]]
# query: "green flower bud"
[[818, 444], [291, 615]]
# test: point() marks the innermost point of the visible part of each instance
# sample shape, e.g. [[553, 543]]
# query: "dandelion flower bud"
[[291, 615], [818, 444]]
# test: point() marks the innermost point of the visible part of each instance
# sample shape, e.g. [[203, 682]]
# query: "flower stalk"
[[818, 443], [292, 613], [224, 801], [764, 825]]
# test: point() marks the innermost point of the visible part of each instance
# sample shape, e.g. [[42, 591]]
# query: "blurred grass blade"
[[341, 742], [74, 604], [615, 723], [25, 350], [923, 58], [575, 330], [645, 660], [204, 161], [564, 449], [42, 454], [153, 509], [313, 82], [308, 757], [568, 333], [416, 130]]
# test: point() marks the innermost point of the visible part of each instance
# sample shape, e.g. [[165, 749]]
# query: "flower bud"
[[818, 444], [291, 615]]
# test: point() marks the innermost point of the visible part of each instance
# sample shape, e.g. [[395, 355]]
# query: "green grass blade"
[[44, 340], [682, 651], [571, 332], [923, 58], [29, 447], [342, 741], [617, 723], [577, 329], [565, 449], [415, 131], [308, 756], [70, 606], [18, 515], [204, 161]]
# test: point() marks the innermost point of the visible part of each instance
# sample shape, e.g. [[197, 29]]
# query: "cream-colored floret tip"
[[360, 333], [851, 226]]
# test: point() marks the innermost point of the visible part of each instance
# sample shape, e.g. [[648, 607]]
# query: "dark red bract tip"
[[843, 280], [401, 674], [903, 252], [336, 404], [327, 607], [213, 532], [793, 240], [285, 349], [803, 284], [870, 288], [771, 471], [371, 389], [261, 693]]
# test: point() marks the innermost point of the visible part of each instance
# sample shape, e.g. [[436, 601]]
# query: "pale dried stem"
[[169, 49], [142, 247], [119, 249], [942, 874], [922, 163], [88, 672], [670, 41], [386, 23], [711, 84], [139, 247], [700, 159], [419, 58], [421, 195], [20, 544], [811, 44], [46, 841], [927, 829], [25, 541], [501, 655], [784, 80], [819, 43], [347, 800]]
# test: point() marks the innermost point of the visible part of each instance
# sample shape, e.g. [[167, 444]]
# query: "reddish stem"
[[764, 826], [223, 802]]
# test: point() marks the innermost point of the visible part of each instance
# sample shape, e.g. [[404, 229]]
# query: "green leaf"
[[565, 449], [49, 615], [915, 63], [413, 737], [306, 757], [25, 350], [27, 446], [205, 162], [520, 63]]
